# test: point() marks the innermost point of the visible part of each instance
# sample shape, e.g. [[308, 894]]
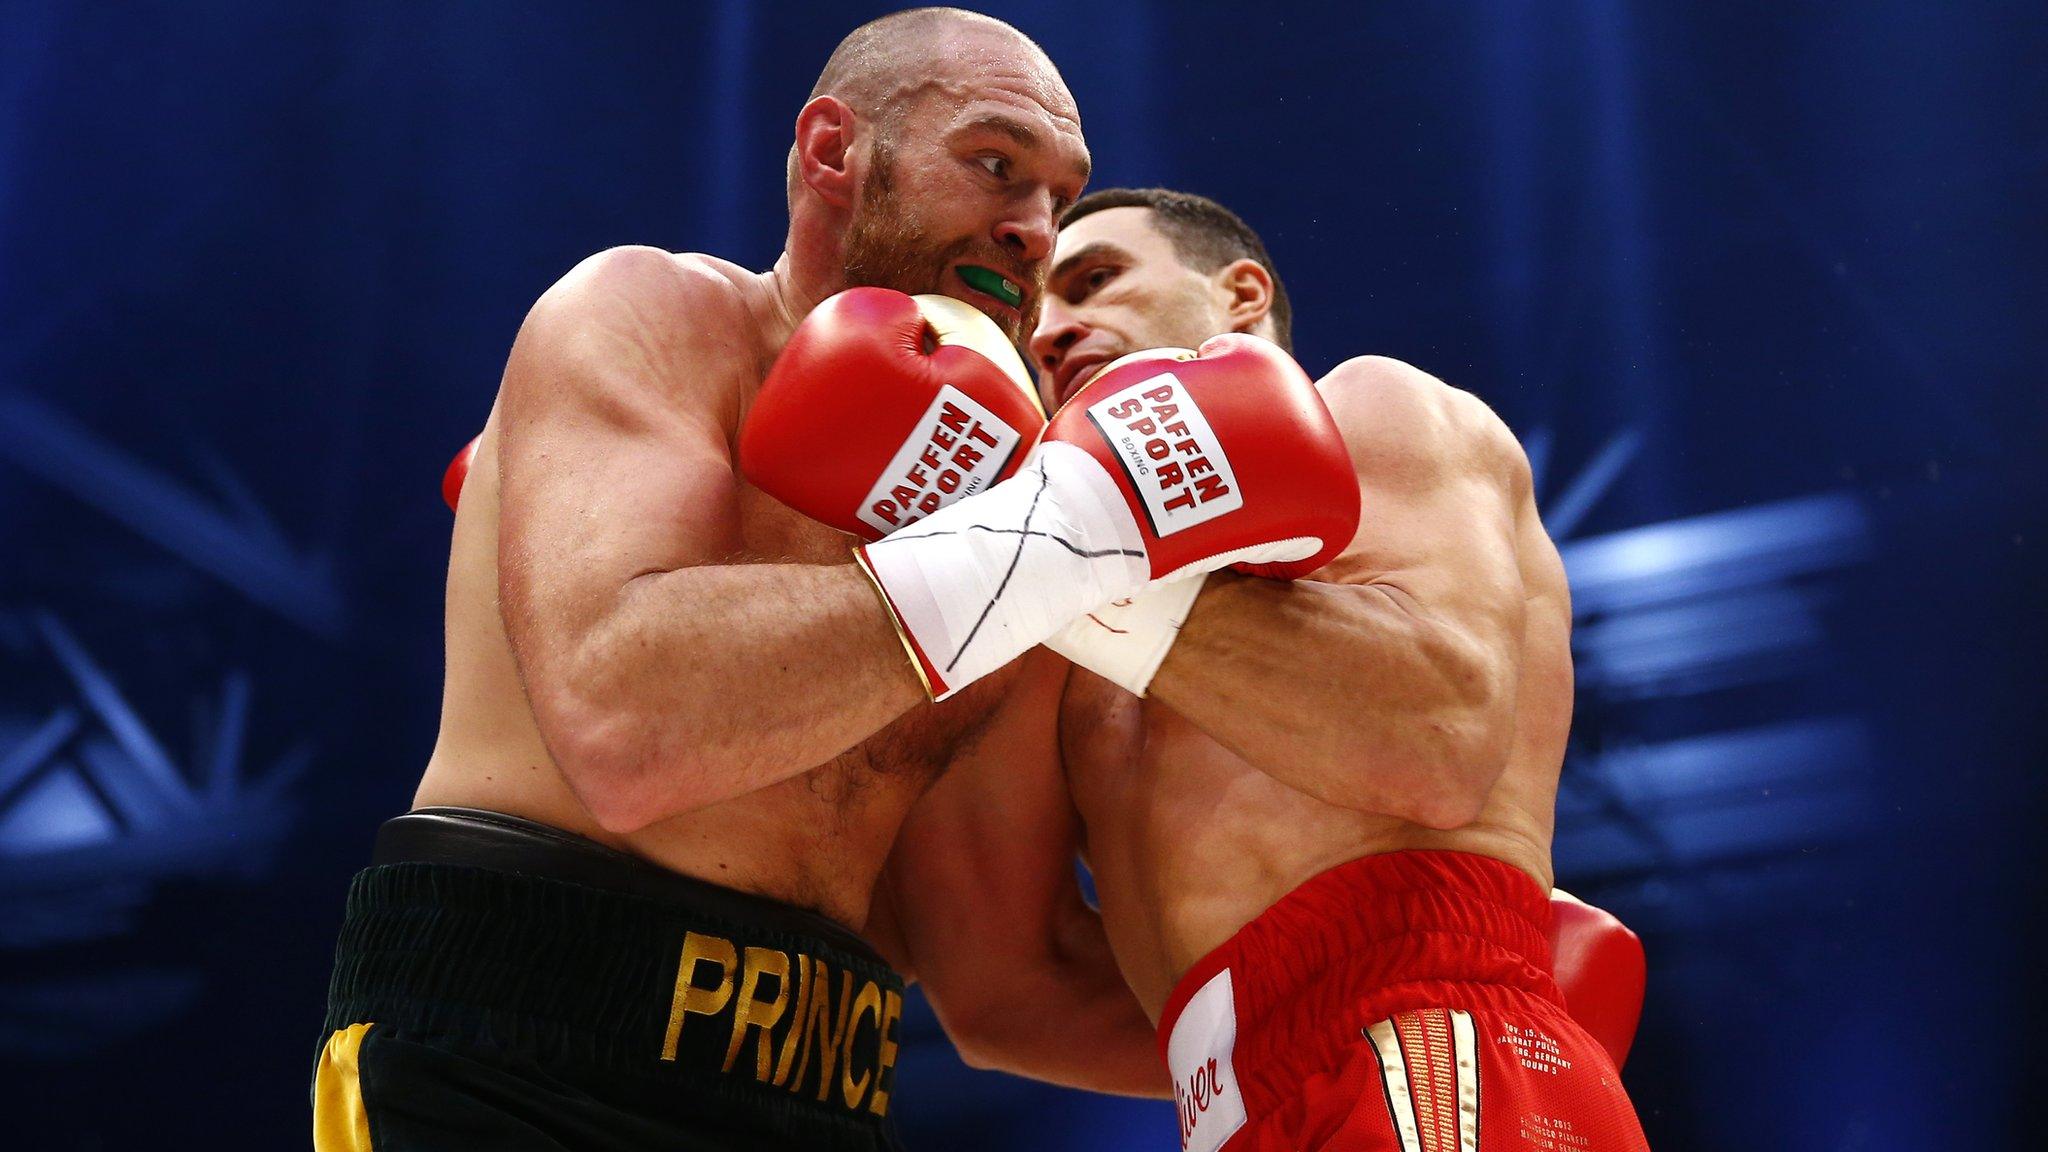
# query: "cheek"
[[1210, 315], [1172, 319], [957, 198]]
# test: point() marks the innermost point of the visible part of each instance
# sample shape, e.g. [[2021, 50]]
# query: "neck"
[[809, 269]]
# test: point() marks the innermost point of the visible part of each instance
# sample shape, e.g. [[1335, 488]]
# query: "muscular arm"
[[661, 677], [982, 890], [1387, 683]]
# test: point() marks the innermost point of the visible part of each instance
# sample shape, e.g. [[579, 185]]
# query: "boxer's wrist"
[[1126, 640], [976, 584], [1170, 463]]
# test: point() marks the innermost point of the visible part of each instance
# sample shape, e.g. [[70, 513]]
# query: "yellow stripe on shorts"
[[340, 1122]]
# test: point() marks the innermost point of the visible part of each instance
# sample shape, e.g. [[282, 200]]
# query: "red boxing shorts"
[[1398, 1003]]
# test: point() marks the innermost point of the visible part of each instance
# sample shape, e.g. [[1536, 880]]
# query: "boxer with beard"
[[1317, 813], [633, 903]]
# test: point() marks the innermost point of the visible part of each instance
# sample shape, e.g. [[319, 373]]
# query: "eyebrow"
[[1020, 132], [1095, 251], [1015, 129]]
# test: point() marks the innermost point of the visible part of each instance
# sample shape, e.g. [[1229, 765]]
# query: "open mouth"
[[1076, 372], [993, 284]]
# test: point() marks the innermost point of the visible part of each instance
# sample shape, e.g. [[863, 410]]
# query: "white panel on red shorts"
[[1205, 1087]]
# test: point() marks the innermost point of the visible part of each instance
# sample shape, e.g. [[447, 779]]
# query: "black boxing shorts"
[[505, 985]]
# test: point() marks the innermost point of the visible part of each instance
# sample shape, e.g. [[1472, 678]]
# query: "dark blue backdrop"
[[1750, 279]]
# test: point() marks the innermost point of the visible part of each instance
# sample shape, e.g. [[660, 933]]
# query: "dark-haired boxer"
[[1318, 813], [636, 904]]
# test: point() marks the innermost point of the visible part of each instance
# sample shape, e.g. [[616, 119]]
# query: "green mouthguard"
[[982, 280]]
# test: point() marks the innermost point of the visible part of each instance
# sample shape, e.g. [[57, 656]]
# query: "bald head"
[[882, 67], [884, 61], [935, 154]]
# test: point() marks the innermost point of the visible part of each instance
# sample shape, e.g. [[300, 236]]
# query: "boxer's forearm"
[[1353, 694], [983, 896], [1103, 1043], [710, 682], [1068, 1020]]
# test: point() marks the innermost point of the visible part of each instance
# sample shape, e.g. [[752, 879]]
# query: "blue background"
[[1751, 280]]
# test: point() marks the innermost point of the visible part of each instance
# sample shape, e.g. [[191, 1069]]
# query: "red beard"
[[888, 246]]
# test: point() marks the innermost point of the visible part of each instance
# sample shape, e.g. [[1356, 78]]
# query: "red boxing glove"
[[458, 471], [884, 408], [1190, 439], [1168, 464], [1126, 641], [1598, 965]]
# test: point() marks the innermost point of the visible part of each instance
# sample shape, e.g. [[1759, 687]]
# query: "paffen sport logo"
[[1169, 452], [957, 448]]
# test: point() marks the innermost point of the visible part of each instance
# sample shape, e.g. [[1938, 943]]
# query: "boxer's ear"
[[824, 150], [1247, 289]]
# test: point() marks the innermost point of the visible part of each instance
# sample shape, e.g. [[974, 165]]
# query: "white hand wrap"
[[1125, 641], [977, 583]]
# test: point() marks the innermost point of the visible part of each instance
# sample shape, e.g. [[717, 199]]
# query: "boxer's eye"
[[1092, 280], [997, 166]]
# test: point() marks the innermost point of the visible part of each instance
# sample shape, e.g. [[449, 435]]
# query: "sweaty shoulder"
[[1402, 424], [660, 323]]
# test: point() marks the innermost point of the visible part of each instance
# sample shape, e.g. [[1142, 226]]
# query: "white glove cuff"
[[975, 584], [1125, 641]]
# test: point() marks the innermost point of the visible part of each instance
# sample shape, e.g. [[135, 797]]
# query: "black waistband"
[[502, 843], [504, 936]]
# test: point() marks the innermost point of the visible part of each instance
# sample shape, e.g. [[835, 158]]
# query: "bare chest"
[[1101, 735], [1162, 802], [1137, 769]]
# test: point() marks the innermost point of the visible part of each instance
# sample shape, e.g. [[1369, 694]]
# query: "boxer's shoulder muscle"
[[616, 419], [1405, 426], [637, 328]]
